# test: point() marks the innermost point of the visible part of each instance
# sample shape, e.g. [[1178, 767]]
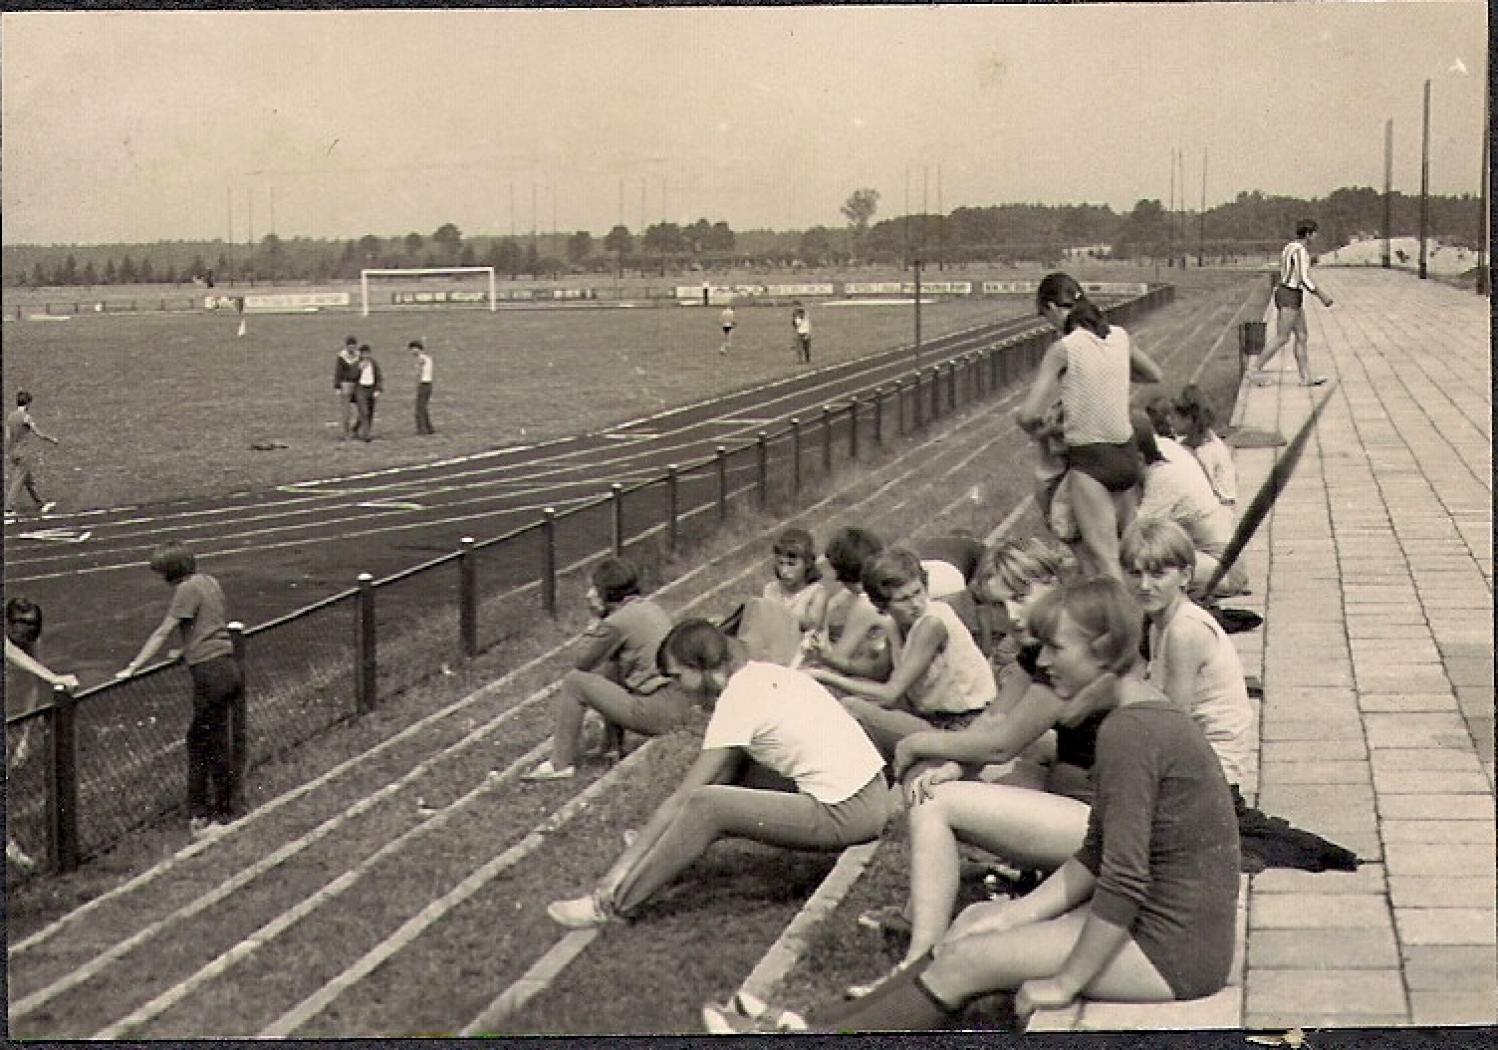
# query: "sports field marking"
[[58, 535], [533, 982], [389, 504]]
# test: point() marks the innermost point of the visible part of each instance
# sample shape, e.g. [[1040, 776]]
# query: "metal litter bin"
[[1250, 343]]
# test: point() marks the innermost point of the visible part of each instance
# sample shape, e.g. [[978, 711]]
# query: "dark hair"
[[1144, 438], [696, 643], [1057, 289], [364, 348], [1104, 612], [798, 543], [349, 340], [1196, 415], [1306, 227], [884, 573], [23, 398], [174, 562], [848, 549], [415, 344], [24, 612], [1158, 408], [1086, 315], [615, 580]]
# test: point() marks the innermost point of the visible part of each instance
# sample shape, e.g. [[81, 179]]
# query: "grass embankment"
[[740, 895]]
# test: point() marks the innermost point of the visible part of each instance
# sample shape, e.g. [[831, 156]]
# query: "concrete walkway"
[[1374, 574]]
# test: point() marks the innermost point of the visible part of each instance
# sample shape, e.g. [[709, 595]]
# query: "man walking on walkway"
[[367, 389], [423, 387], [1289, 300], [22, 457]]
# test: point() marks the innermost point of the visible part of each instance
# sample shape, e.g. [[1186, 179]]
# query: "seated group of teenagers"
[[1075, 712]]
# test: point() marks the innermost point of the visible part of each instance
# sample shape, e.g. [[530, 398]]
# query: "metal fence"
[[86, 770]]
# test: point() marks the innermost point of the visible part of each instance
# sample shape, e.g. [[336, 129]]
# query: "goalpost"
[[423, 271]]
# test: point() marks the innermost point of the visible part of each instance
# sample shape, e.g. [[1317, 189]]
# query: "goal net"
[[423, 271]]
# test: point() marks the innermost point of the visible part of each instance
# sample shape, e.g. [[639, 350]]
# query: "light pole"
[[916, 265], [1425, 179]]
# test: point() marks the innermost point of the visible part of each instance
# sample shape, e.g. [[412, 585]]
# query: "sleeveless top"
[[1219, 698], [642, 626], [1095, 388], [798, 603], [959, 678]]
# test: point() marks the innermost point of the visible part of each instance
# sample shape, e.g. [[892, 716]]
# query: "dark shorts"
[[1293, 298], [1115, 467]]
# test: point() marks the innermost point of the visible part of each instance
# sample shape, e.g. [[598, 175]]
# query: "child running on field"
[[797, 583], [615, 672]]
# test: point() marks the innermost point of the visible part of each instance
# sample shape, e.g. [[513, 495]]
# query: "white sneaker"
[[48, 507], [18, 857], [579, 913], [201, 828], [547, 771]]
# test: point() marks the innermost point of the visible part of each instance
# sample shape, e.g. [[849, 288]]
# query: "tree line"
[[1252, 221]]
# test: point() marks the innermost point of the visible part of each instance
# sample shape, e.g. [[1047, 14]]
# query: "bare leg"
[[1029, 828], [1097, 521], [1285, 321]]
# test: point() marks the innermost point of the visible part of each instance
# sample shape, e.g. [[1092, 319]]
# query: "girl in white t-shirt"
[[782, 763], [797, 583]]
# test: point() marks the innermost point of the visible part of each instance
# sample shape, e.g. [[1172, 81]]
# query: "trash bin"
[[1250, 342]]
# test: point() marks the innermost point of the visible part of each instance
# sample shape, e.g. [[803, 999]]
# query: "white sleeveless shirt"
[[1095, 388]]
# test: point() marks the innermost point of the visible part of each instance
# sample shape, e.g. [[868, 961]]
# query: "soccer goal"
[[429, 297]]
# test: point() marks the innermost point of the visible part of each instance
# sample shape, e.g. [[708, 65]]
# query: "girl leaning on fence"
[[28, 684], [198, 613]]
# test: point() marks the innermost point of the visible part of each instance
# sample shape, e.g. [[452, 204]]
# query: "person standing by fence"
[[21, 436], [25, 678], [367, 387], [199, 611], [423, 387], [1289, 300]]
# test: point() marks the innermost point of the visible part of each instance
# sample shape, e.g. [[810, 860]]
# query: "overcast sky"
[[134, 126]]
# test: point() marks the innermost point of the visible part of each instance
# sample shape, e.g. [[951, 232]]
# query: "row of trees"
[[1006, 231]]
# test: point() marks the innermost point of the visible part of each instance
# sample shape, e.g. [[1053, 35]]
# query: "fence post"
[[364, 629], [853, 427], [935, 392], [879, 417], [900, 407], [795, 458], [549, 560], [673, 505], [762, 466], [62, 783], [468, 598], [616, 505], [239, 737], [722, 464], [826, 440], [952, 381]]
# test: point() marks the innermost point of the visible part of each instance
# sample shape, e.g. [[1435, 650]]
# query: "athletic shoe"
[[891, 918], [580, 913], [16, 856], [547, 771], [724, 1019], [201, 828], [630, 835], [1318, 381], [1262, 379], [51, 504], [858, 991]]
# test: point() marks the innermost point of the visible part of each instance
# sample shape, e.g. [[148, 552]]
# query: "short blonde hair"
[[1017, 564], [1152, 543]]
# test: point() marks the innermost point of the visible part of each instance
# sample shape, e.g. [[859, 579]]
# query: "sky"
[[143, 125]]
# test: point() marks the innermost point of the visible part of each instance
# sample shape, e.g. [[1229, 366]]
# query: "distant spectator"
[[727, 321], [345, 375], [801, 323], [423, 387], [23, 457], [199, 613], [367, 387]]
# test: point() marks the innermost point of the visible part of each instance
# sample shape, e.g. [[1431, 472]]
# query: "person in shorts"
[[22, 458], [1289, 301]]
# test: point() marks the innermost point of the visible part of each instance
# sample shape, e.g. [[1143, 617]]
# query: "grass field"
[[153, 407]]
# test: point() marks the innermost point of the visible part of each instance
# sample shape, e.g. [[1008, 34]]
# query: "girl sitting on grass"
[[1144, 912], [1192, 660], [854, 636], [940, 677], [1196, 419], [615, 673], [797, 579], [781, 763]]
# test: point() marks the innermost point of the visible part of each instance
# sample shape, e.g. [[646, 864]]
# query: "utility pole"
[[941, 230], [1484, 248], [1389, 192], [273, 208], [916, 264], [907, 213], [1425, 180], [1170, 215], [1201, 218]]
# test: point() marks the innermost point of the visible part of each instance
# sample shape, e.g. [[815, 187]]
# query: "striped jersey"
[[1295, 267]]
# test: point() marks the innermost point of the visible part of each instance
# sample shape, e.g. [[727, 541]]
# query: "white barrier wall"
[[295, 300]]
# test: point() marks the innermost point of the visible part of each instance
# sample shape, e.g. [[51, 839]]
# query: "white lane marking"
[[389, 504], [57, 535]]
